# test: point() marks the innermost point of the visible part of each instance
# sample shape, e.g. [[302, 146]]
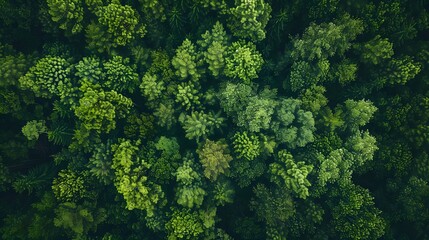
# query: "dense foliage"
[[214, 119]]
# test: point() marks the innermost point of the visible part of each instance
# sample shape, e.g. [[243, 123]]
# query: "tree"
[[120, 76], [152, 87], [215, 158], [46, 77], [354, 214], [286, 173], [200, 124], [273, 206], [214, 44], [33, 129], [189, 192], [376, 50], [292, 125], [357, 113], [243, 61], [184, 224], [247, 147], [186, 62], [98, 109], [78, 219], [326, 39], [69, 14], [121, 22], [249, 18], [69, 186], [131, 179], [257, 114]]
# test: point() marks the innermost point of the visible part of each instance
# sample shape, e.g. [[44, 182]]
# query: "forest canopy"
[[214, 119]]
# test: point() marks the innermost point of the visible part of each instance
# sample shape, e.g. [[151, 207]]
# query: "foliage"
[[293, 125], [69, 186], [190, 192], [98, 109], [249, 18], [33, 129], [286, 173], [247, 147], [120, 76], [69, 14], [46, 77], [120, 21], [214, 119], [130, 179], [215, 158], [243, 61], [185, 61], [78, 219], [184, 224]]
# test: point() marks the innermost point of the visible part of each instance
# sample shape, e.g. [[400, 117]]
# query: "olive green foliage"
[[247, 147], [376, 50], [69, 14], [188, 95], [78, 219], [12, 68], [151, 87], [354, 215], [100, 163], [190, 192], [358, 113], [98, 109], [272, 206], [120, 76], [243, 61], [402, 70], [184, 224], [214, 44], [69, 186], [185, 61], [326, 39], [214, 119], [215, 158], [248, 109], [47, 77], [131, 178], [285, 172], [33, 129], [121, 22], [293, 125], [90, 68], [200, 124], [248, 19]]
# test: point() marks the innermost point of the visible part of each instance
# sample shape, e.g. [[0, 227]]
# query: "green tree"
[[132, 180], [78, 219], [33, 129], [215, 158], [70, 186], [249, 18], [189, 192], [184, 224], [292, 125], [98, 110], [286, 173], [358, 113], [47, 76], [376, 50], [247, 147], [186, 61], [120, 75], [69, 14], [243, 61]]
